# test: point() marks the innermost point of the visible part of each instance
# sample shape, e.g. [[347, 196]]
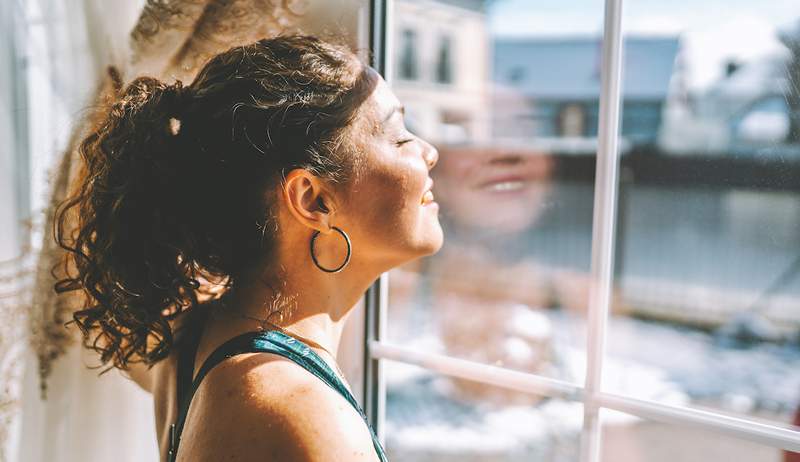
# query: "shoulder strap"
[[224, 351], [266, 342], [188, 353]]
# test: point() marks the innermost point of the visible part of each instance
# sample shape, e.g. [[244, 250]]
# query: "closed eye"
[[402, 142]]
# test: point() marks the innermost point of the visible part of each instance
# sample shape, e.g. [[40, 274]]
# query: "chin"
[[411, 250], [431, 250], [426, 245], [434, 242]]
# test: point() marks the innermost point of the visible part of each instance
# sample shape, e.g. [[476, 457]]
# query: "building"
[[441, 68], [549, 88]]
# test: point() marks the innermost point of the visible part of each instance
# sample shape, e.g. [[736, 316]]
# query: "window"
[[408, 60], [444, 71], [571, 120], [619, 278], [516, 75]]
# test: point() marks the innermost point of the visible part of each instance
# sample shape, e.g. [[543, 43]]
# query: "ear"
[[307, 199]]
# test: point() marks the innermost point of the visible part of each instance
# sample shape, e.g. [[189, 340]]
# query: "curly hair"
[[176, 182]]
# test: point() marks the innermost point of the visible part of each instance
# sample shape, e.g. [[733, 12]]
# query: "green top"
[[271, 341]]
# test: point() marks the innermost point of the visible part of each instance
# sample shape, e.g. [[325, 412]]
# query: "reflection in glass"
[[706, 297], [707, 263], [509, 287], [426, 421]]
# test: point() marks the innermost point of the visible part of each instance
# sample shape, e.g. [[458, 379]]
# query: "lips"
[[504, 183], [428, 196]]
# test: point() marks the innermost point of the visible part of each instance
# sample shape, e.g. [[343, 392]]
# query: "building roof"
[[476, 5], [569, 68]]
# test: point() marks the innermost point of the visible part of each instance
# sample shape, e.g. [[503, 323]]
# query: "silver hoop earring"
[[346, 260]]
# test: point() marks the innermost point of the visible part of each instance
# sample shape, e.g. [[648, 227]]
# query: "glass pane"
[[629, 439], [429, 418], [707, 264], [514, 183]]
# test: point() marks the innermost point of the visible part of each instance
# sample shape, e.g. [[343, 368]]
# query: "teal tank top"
[[272, 341]]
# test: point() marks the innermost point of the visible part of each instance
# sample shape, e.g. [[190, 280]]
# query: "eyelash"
[[402, 142]]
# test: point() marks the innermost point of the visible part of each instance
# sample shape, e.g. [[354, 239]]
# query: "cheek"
[[459, 164], [455, 175], [388, 204]]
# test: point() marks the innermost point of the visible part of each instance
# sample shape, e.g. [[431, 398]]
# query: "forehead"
[[383, 96], [380, 104]]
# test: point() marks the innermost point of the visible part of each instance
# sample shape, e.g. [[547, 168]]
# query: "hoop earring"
[[346, 260]]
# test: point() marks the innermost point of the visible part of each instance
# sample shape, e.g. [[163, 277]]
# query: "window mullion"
[[375, 384], [757, 432], [604, 217], [496, 376], [376, 298]]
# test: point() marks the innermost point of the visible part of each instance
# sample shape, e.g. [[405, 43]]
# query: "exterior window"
[[444, 65], [408, 67], [572, 120], [516, 75], [620, 236]]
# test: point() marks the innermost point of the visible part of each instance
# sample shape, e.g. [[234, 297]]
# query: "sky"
[[711, 31]]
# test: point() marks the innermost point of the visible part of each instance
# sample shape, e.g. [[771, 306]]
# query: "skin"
[[262, 406], [465, 180]]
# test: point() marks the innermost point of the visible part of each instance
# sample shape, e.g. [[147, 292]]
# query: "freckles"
[[390, 190], [408, 190], [397, 179], [392, 208], [376, 196], [396, 192]]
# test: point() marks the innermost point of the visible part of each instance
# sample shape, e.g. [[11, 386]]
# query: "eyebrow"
[[400, 109]]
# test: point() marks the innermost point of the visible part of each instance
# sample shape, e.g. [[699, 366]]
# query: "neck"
[[312, 304]]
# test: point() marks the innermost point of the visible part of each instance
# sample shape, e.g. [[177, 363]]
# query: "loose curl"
[[176, 181]]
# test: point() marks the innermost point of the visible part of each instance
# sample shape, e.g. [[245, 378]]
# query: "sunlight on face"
[[390, 213]]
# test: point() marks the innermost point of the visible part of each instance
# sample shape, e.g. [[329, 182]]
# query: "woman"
[[224, 231]]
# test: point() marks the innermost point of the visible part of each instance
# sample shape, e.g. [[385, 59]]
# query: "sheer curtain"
[[54, 65], [55, 54]]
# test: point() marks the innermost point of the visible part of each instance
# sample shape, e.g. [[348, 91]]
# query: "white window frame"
[[378, 348]]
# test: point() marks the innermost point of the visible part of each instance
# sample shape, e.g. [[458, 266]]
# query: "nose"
[[431, 155], [510, 159]]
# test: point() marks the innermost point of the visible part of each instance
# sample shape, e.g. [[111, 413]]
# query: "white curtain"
[[54, 56]]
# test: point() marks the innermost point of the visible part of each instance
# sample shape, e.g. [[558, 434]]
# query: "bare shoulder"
[[267, 408]]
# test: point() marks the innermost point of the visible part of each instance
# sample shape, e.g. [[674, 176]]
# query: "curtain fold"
[[64, 45]]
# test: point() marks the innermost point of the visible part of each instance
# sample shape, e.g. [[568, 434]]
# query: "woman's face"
[[387, 206], [493, 188]]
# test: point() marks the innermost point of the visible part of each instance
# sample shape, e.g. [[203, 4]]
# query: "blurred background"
[[706, 289], [706, 282]]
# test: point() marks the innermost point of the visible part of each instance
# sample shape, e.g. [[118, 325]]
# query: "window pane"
[[707, 263], [629, 439], [429, 418], [514, 182], [444, 66], [407, 64]]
